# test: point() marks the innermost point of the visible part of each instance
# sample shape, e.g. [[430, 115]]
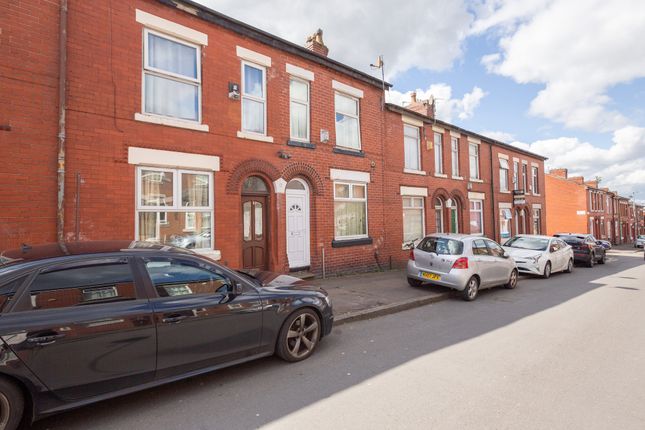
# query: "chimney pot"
[[413, 96], [315, 43]]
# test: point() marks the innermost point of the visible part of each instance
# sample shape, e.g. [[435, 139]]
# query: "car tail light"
[[461, 263], [412, 254]]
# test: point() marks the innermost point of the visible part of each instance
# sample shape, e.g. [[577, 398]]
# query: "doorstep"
[[368, 295]]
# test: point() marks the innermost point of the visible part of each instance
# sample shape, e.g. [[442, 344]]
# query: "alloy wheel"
[[302, 335], [512, 282], [5, 411], [547, 270]]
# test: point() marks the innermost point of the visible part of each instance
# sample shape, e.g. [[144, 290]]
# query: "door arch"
[[298, 223], [255, 195]]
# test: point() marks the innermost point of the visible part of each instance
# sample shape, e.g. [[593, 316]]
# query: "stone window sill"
[[254, 136], [171, 122]]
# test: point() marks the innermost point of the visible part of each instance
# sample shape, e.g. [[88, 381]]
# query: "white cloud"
[[501, 136], [622, 165], [447, 107], [426, 34], [577, 49]]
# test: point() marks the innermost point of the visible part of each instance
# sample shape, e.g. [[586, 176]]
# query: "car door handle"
[[174, 319], [47, 339]]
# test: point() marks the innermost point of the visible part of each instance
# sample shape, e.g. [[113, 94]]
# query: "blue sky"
[[562, 78]]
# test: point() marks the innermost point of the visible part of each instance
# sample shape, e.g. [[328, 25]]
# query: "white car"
[[540, 255], [640, 242]]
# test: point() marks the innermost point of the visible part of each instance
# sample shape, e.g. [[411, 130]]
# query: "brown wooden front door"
[[254, 232]]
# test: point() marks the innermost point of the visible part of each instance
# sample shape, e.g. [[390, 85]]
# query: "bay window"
[[174, 207], [473, 156], [350, 210], [413, 218], [476, 217], [454, 142], [438, 153], [503, 174], [299, 109], [253, 98], [411, 143], [171, 77], [347, 121]]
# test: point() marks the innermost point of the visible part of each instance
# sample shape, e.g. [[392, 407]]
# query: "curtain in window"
[[148, 226], [347, 131], [411, 148], [298, 120], [350, 218], [171, 98], [253, 116], [171, 56], [412, 224]]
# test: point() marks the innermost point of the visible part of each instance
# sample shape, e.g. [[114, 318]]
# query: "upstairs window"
[[411, 147], [503, 174], [524, 178], [172, 77], [438, 153], [516, 175], [473, 155], [299, 109], [347, 121], [536, 182], [253, 98], [454, 144]]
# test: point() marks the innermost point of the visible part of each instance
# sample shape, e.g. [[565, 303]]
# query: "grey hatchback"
[[462, 262]]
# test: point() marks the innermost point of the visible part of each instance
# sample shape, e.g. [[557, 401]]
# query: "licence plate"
[[430, 276]]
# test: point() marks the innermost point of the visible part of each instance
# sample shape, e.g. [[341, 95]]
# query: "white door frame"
[[307, 239]]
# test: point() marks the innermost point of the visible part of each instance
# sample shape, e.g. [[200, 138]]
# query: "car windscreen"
[[442, 246], [532, 243]]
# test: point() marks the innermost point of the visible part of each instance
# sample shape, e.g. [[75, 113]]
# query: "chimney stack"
[[315, 43], [424, 107], [560, 173], [413, 96]]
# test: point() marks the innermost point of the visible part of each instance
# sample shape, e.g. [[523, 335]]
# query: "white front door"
[[297, 224]]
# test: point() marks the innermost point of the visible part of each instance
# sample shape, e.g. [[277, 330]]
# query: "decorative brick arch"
[[440, 192], [248, 167], [460, 196], [306, 171]]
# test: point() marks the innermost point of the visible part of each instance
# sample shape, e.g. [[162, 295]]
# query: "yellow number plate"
[[430, 276]]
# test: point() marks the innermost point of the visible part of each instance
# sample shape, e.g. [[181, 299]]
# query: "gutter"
[[62, 84]]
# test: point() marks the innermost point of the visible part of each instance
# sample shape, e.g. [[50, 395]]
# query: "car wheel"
[[11, 405], [472, 289], [592, 260], [512, 281], [299, 335], [547, 270], [569, 268], [602, 259], [414, 282]]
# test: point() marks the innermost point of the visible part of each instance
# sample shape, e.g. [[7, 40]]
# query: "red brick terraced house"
[[167, 121]]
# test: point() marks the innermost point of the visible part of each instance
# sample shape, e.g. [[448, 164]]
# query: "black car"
[[586, 248], [88, 321]]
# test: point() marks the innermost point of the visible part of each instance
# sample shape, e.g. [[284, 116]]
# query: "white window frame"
[[516, 174], [423, 212], [243, 96], [481, 215], [307, 104], [357, 116], [418, 130], [525, 174], [190, 226], [176, 206], [476, 174], [539, 219], [439, 226], [503, 174], [535, 174], [438, 152], [351, 198], [147, 69], [454, 150]]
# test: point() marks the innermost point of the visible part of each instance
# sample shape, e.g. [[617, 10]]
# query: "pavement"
[[561, 353]]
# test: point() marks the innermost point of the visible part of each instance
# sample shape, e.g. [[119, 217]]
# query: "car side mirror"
[[506, 254], [237, 288]]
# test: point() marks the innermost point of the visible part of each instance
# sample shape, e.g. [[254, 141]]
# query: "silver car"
[[462, 262], [540, 255], [639, 242]]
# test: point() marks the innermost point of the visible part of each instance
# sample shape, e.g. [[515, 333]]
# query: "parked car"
[[462, 262], [605, 244], [540, 255], [191, 241], [586, 248], [640, 242], [95, 320]]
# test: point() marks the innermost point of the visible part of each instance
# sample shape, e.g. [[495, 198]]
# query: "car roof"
[[456, 236], [29, 253]]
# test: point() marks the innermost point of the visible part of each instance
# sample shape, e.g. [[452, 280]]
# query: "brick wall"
[[565, 199]]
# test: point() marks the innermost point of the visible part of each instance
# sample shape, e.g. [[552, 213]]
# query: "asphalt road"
[[564, 353]]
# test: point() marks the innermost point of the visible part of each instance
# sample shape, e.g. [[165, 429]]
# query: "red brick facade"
[[103, 126]]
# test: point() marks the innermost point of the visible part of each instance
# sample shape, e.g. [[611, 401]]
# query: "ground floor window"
[[453, 205], [174, 207], [438, 214], [413, 219], [350, 210], [537, 218], [476, 217], [505, 217]]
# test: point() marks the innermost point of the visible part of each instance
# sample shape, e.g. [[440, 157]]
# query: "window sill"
[[538, 195], [459, 178], [505, 191], [440, 175], [162, 120], [300, 144], [254, 136], [342, 243], [354, 152], [415, 172], [479, 181], [214, 254]]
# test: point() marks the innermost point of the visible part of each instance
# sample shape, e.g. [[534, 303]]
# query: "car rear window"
[[442, 246], [572, 239]]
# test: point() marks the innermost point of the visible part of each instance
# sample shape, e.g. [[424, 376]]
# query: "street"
[[562, 353]]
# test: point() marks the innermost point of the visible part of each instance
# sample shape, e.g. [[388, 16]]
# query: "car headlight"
[[535, 259], [328, 300]]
